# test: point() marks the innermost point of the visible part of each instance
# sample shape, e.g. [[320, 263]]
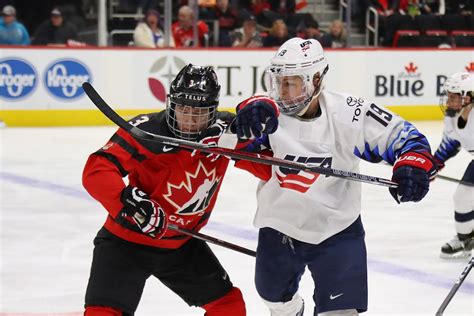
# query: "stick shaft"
[[455, 287], [230, 153], [213, 240], [454, 180]]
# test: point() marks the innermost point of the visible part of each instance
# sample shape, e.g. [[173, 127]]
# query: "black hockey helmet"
[[192, 101]]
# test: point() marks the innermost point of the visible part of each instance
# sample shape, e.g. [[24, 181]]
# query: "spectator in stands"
[[226, 16], [55, 31], [278, 34], [414, 7], [336, 37], [311, 31], [247, 35], [262, 11], [183, 32], [148, 32], [73, 15], [385, 7], [12, 32]]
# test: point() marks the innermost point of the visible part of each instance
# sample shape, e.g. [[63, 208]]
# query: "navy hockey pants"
[[338, 267]]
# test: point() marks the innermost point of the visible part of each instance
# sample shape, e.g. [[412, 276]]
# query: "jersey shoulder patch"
[[347, 109]]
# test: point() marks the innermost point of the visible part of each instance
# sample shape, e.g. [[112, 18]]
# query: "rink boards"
[[42, 86]]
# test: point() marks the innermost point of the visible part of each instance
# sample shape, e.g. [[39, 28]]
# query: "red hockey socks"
[[231, 304], [101, 311]]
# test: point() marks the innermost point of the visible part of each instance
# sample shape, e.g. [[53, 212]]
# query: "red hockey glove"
[[210, 137], [256, 116], [141, 213], [413, 172]]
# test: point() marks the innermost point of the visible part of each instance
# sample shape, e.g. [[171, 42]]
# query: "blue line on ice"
[[249, 234]]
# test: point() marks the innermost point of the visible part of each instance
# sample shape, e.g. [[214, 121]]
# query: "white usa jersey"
[[312, 207], [455, 137]]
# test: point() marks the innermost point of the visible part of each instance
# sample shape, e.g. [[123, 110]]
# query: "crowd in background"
[[53, 31], [250, 23]]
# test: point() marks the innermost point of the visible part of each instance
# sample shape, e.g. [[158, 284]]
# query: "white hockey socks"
[[294, 307], [464, 204]]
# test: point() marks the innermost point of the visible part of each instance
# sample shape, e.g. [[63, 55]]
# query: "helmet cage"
[[186, 121], [287, 101]]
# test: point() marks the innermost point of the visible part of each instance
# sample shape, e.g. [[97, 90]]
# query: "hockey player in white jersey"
[[310, 220], [456, 102]]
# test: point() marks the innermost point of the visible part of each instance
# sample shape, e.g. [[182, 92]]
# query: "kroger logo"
[[65, 77], [17, 78]]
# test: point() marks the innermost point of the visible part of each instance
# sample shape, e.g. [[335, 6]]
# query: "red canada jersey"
[[184, 38], [186, 187]]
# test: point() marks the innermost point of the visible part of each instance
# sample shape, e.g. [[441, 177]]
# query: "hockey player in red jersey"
[[165, 185]]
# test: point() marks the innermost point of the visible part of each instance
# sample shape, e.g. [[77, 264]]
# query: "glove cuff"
[[126, 194], [414, 159], [263, 98]]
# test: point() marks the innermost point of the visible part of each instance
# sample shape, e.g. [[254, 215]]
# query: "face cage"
[[193, 121], [295, 103], [298, 103], [448, 111]]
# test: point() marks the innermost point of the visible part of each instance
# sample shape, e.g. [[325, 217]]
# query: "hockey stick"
[[207, 238], [213, 240], [230, 153], [454, 180], [455, 287]]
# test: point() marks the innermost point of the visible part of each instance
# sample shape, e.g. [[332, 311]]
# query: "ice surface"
[[48, 222]]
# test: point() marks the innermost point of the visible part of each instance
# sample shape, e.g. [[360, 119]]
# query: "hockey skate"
[[457, 249]]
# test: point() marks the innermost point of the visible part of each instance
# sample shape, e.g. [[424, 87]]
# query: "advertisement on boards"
[[139, 79]]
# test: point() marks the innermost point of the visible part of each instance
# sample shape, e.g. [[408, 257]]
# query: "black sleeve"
[[72, 32], [42, 35]]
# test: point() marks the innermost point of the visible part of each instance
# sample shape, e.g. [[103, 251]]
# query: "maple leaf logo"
[[193, 195], [411, 68], [470, 67]]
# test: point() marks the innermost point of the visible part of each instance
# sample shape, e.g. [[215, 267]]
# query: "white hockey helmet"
[[297, 57], [458, 92]]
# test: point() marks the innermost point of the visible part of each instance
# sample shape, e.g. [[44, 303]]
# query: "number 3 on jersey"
[[140, 120], [381, 116]]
